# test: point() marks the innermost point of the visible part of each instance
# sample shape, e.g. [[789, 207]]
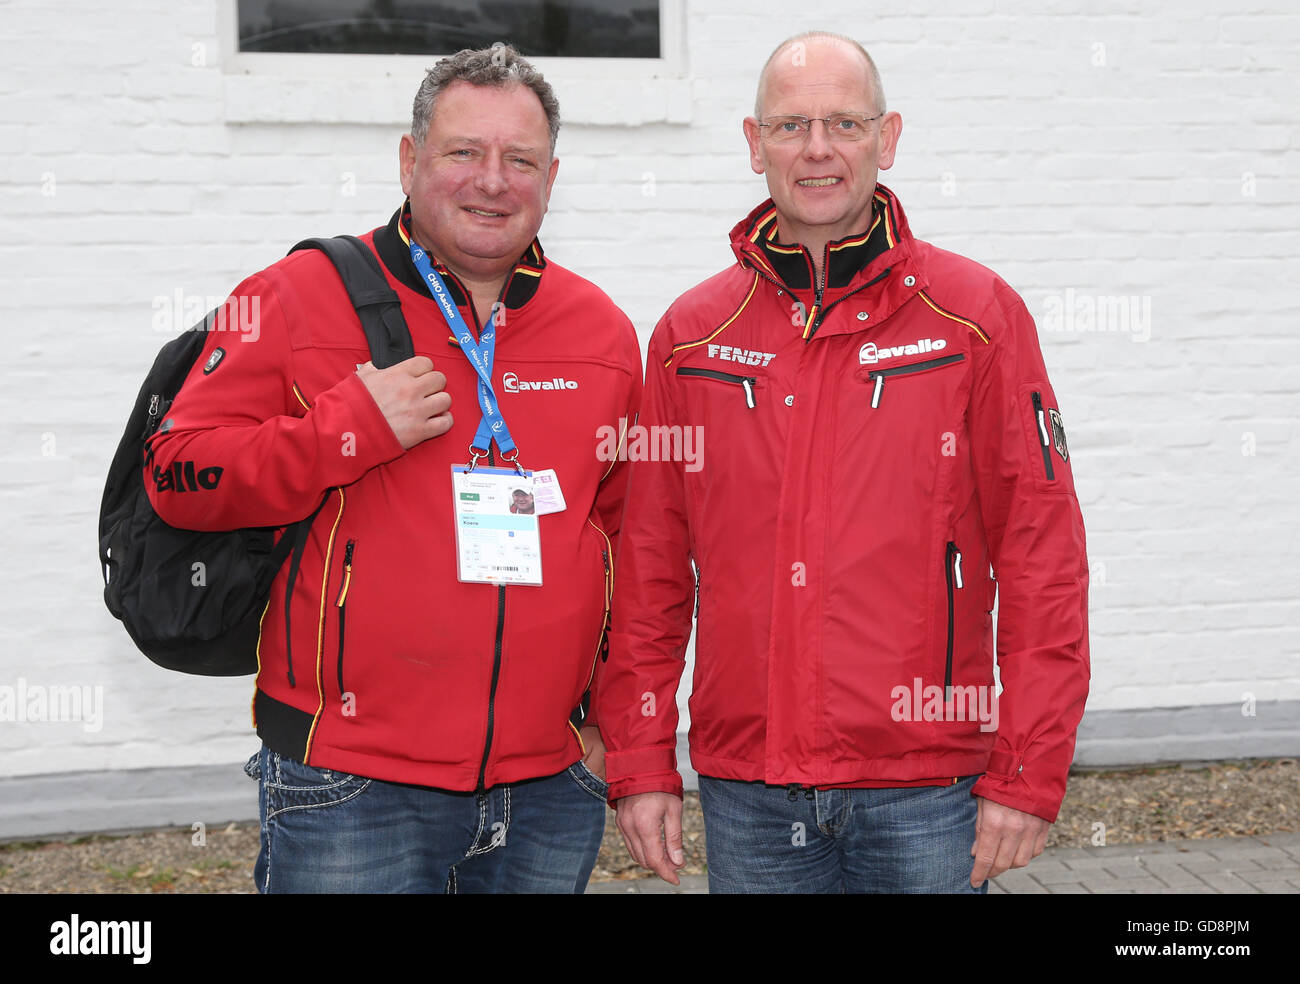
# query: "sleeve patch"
[[1058, 434]]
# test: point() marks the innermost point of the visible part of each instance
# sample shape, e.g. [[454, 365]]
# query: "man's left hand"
[[1004, 838], [595, 757]]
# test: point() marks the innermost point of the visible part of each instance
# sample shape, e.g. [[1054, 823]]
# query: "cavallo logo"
[[184, 477], [869, 354], [513, 384]]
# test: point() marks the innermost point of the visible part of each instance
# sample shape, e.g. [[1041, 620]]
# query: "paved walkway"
[[1232, 865]]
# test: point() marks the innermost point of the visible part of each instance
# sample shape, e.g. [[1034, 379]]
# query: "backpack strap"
[[377, 304], [380, 311]]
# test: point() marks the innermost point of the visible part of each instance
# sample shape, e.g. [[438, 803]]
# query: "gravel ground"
[[1225, 799]]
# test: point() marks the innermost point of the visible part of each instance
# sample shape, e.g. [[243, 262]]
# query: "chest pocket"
[[876, 378], [747, 386]]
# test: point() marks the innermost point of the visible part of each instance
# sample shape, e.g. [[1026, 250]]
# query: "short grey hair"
[[872, 71], [499, 65]]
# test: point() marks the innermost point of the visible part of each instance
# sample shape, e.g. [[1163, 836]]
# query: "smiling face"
[[481, 181], [822, 187]]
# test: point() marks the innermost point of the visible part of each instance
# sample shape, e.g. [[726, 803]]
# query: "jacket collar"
[[391, 243], [756, 242], [880, 257]]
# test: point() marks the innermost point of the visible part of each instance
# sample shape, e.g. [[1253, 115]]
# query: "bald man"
[[880, 440]]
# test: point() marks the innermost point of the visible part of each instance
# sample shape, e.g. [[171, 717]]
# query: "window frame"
[[302, 87]]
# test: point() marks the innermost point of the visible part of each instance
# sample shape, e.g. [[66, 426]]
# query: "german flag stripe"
[[763, 261], [890, 239], [954, 317], [759, 226], [686, 345], [252, 705], [853, 242]]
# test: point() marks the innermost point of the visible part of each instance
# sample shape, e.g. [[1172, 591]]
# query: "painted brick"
[[1109, 178]]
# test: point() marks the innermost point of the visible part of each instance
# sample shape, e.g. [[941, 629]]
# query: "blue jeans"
[[325, 831], [909, 839]]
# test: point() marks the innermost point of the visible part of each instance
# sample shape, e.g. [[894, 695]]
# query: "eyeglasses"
[[839, 126]]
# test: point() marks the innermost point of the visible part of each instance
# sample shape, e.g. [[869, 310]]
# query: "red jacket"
[[868, 452], [400, 671]]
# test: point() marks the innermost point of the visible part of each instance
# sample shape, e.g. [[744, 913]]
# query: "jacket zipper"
[[341, 604], [698, 576], [604, 628], [952, 576], [820, 315], [1040, 420], [746, 382], [814, 316], [496, 676], [501, 588], [879, 374]]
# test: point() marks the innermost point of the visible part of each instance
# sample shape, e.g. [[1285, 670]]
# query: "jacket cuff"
[[650, 769], [1003, 782], [659, 782]]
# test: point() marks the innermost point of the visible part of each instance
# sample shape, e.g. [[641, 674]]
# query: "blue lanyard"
[[491, 424]]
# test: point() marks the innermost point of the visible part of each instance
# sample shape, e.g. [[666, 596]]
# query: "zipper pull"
[[1042, 422], [956, 568], [609, 612], [347, 574], [748, 384], [875, 393], [151, 420]]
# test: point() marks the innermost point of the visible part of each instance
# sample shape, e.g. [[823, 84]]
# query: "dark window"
[[538, 28]]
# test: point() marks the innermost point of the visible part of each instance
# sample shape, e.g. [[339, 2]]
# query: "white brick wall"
[[1127, 150]]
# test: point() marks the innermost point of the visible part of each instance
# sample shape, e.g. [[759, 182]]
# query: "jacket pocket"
[[745, 383], [1044, 434], [953, 580], [341, 603], [876, 377], [699, 574]]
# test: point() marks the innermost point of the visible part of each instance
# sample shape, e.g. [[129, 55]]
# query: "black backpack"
[[206, 619]]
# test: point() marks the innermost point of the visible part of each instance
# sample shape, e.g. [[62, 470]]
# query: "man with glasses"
[[880, 439]]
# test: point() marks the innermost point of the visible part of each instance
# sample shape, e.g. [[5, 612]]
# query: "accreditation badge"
[[547, 494], [497, 537]]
